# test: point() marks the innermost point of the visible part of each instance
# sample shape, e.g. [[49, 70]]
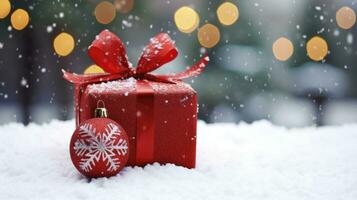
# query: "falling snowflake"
[[100, 147], [49, 29]]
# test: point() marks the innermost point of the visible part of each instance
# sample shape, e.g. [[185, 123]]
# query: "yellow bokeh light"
[[5, 7], [105, 12], [227, 13], [345, 17], [317, 48], [124, 6], [93, 69], [186, 19], [19, 19], [283, 49], [208, 35], [63, 44]]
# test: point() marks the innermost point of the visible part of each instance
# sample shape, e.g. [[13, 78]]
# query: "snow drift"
[[257, 161]]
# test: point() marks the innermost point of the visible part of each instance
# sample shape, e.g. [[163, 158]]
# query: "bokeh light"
[[283, 49], [124, 6], [208, 35], [227, 13], [93, 69], [63, 44], [345, 17], [186, 19], [5, 8], [317, 48], [105, 12], [20, 19]]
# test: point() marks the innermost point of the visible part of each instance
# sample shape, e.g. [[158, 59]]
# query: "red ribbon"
[[145, 123], [108, 52]]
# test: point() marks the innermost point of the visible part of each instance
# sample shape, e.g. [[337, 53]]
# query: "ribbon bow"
[[108, 52]]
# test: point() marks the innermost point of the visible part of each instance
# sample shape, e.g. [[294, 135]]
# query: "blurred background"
[[262, 65]]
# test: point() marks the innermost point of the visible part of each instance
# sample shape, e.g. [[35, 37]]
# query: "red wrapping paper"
[[159, 118], [159, 112]]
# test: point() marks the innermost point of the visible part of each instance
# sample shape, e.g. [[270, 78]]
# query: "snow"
[[166, 87], [318, 8], [49, 29], [61, 14], [23, 82], [257, 161], [121, 85], [349, 38], [127, 24]]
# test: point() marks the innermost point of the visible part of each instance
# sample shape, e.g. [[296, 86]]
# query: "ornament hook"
[[100, 102], [100, 111]]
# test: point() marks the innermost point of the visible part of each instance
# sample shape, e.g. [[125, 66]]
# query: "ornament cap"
[[100, 111]]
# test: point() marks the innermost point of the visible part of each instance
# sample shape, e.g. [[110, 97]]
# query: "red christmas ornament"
[[99, 146]]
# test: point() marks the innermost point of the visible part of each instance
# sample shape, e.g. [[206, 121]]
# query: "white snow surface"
[[245, 161]]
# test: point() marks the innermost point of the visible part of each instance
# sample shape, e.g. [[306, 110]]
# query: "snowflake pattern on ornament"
[[95, 147]]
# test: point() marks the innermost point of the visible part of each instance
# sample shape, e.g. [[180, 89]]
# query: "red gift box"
[[159, 118], [158, 112]]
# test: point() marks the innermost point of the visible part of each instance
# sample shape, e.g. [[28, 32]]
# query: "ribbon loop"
[[108, 52], [160, 50]]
